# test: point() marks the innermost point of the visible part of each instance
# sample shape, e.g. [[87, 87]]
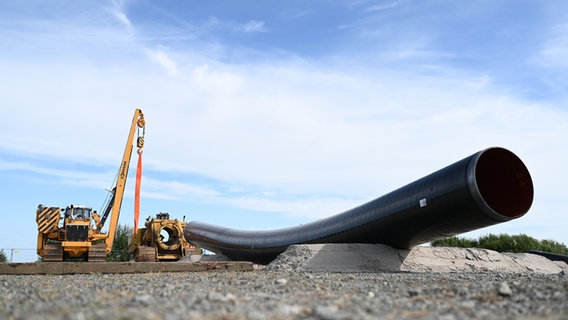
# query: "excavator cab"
[[78, 212], [77, 223]]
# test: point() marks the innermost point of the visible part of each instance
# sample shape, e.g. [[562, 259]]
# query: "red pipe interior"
[[504, 182]]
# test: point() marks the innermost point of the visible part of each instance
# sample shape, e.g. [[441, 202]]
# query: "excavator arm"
[[115, 203]]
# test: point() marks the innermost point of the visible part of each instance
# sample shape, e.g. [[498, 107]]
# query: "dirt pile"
[[381, 258]]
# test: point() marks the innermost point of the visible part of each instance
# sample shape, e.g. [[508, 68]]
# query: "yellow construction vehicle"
[[161, 240], [80, 234]]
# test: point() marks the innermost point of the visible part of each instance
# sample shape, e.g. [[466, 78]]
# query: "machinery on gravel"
[[80, 234], [161, 240]]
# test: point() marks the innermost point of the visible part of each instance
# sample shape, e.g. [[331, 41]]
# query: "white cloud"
[[382, 7], [159, 189], [296, 130], [117, 10], [250, 26], [69, 177], [253, 26], [160, 56], [555, 48]]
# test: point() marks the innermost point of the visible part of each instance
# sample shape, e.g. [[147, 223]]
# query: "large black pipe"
[[486, 188]]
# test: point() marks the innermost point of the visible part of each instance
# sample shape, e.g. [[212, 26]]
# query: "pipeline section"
[[489, 187]]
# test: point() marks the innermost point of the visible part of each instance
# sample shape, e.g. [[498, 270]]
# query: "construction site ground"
[[331, 281], [270, 294]]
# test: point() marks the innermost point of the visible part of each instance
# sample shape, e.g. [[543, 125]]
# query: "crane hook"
[[140, 140]]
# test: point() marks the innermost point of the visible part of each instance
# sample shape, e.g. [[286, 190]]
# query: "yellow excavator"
[[80, 234]]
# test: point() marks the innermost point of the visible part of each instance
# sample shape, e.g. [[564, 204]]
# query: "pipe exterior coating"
[[486, 188]]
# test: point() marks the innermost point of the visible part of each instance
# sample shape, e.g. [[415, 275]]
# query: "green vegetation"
[[3, 257], [120, 251], [504, 243]]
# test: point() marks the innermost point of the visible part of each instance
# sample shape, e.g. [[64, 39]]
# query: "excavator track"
[[97, 253], [53, 252], [145, 254]]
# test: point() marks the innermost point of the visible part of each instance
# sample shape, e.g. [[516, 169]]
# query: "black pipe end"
[[504, 183]]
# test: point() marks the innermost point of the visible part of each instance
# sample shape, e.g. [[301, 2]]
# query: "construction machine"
[[80, 235], [161, 240]]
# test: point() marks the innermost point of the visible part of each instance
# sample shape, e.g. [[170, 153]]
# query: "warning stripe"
[[47, 219]]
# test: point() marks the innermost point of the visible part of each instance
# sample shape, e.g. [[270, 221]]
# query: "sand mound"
[[351, 257]]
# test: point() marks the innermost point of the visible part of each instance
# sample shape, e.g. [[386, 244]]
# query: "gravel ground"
[[263, 294]]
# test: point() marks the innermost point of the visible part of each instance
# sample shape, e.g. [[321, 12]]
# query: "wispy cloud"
[[77, 177], [382, 7], [555, 48], [253, 26], [117, 9], [250, 26], [160, 56], [168, 189]]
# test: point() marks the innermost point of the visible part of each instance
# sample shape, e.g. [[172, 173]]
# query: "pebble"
[[504, 289], [262, 294]]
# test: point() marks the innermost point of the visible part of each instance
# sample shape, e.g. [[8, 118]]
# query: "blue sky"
[[269, 114]]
